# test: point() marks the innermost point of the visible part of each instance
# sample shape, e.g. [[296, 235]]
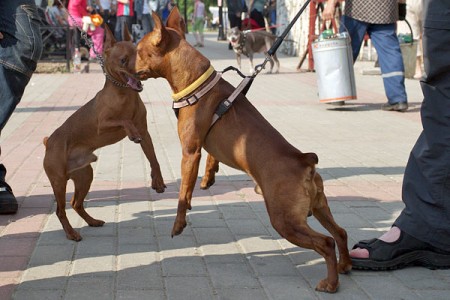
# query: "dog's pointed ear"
[[109, 38], [126, 34], [176, 22], [159, 31]]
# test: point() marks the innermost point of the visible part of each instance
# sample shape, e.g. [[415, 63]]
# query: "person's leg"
[[21, 48], [426, 184], [76, 23], [356, 29], [147, 25], [196, 31], [384, 39], [200, 27], [118, 29], [234, 22], [258, 17], [12, 87], [97, 37], [128, 23], [421, 235]]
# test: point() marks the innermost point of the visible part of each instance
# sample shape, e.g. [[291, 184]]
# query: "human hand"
[[1, 36], [328, 12], [401, 11]]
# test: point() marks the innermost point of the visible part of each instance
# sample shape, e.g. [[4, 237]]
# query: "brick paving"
[[229, 249]]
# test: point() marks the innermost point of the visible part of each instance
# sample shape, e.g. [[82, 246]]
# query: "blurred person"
[[198, 22], [124, 17], [107, 9], [143, 15], [235, 9], [420, 236], [77, 10], [256, 10], [379, 20], [414, 15], [20, 50]]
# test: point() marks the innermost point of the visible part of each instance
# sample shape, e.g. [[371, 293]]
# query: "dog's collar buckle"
[[191, 100]]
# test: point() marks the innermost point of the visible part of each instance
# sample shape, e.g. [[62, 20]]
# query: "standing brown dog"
[[242, 139], [115, 112]]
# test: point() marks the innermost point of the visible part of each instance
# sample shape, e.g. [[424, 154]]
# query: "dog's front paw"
[[74, 236], [158, 185], [325, 286], [157, 181]]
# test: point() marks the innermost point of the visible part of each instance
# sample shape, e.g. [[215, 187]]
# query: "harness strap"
[[225, 105], [189, 100]]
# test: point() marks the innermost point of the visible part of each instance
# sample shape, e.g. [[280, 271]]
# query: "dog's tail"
[[310, 160], [45, 141]]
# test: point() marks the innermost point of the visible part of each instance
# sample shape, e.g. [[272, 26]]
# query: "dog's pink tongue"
[[134, 84]]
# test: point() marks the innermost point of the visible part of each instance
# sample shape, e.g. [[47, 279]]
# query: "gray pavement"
[[229, 249]]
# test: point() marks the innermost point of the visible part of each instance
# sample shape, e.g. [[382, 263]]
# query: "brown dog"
[[287, 177], [115, 112]]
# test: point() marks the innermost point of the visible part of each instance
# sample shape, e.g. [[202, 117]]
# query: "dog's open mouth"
[[134, 83]]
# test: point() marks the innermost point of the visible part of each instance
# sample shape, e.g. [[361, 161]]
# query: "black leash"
[[279, 40], [271, 51], [247, 81]]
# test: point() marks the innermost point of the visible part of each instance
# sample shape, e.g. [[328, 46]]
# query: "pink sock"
[[391, 236]]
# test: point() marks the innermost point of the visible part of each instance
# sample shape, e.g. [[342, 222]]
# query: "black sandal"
[[406, 251]]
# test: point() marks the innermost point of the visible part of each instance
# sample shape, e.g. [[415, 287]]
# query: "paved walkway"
[[229, 249]]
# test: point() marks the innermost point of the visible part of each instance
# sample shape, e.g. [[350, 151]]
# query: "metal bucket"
[[409, 55], [333, 62]]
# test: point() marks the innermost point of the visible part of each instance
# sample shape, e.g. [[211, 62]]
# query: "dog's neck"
[[194, 85], [193, 68]]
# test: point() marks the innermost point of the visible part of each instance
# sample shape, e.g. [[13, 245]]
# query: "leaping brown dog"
[[287, 177], [115, 112]]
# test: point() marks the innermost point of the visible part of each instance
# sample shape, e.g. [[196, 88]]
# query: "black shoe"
[[401, 107], [8, 202]]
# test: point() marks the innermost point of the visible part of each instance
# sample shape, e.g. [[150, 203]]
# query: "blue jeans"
[[147, 23], [20, 49], [384, 39], [121, 23]]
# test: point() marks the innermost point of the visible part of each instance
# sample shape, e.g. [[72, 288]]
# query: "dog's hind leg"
[[252, 68], [275, 58], [271, 66], [59, 188], [290, 223], [322, 213], [82, 179], [212, 167]]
